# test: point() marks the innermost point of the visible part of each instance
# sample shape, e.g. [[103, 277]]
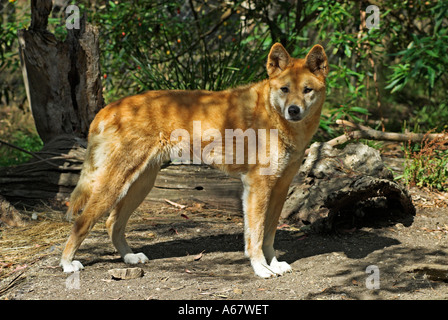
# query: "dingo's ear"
[[316, 61], [278, 60]]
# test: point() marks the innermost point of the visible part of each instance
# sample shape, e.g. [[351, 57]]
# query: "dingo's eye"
[[307, 90], [284, 89]]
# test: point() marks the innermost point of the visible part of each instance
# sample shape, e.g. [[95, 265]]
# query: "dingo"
[[130, 139]]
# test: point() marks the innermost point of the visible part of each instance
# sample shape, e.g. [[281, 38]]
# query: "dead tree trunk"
[[63, 86], [62, 79]]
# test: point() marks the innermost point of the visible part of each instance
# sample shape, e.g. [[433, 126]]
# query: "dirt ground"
[[196, 253]]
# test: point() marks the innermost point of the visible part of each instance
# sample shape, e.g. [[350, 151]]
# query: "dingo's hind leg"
[[95, 208], [116, 223], [112, 184]]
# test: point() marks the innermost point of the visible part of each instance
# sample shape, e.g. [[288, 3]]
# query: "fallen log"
[[333, 189], [50, 176], [54, 171]]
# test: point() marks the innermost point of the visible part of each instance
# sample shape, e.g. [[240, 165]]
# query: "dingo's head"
[[296, 85]]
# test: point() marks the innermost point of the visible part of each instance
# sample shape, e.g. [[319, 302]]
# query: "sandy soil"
[[197, 253]]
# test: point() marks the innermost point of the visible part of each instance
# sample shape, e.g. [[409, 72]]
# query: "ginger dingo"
[[130, 139]]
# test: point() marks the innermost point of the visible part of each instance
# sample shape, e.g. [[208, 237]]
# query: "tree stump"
[[344, 189], [63, 85], [62, 78]]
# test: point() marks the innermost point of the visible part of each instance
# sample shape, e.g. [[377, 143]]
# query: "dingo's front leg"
[[277, 199], [263, 200], [258, 227]]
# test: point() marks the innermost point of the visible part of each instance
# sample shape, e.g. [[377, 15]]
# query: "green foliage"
[[176, 45], [424, 60], [429, 117], [29, 142], [190, 44], [220, 70], [426, 165]]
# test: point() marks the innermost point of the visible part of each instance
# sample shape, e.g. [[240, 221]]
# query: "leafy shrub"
[[426, 164], [29, 142], [215, 45], [424, 60]]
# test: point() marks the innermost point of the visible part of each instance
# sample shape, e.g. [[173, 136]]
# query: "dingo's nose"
[[294, 112]]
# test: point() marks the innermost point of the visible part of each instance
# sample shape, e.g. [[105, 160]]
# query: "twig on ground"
[[175, 204], [17, 280]]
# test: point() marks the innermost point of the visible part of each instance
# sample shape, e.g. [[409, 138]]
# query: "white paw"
[[263, 270], [72, 266], [280, 267], [134, 258]]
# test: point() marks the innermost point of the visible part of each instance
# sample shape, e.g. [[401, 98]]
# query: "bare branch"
[[372, 134], [364, 132]]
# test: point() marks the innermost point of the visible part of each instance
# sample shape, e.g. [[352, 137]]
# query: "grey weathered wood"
[[126, 274], [56, 179], [62, 78], [198, 182], [350, 186], [53, 179]]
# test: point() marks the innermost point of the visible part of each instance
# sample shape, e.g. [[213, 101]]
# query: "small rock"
[[126, 274], [237, 291]]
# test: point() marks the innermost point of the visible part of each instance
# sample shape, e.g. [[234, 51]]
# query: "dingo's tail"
[[78, 198], [83, 190]]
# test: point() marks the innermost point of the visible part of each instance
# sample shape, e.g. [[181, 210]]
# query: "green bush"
[[426, 165], [29, 142], [150, 45], [216, 45]]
